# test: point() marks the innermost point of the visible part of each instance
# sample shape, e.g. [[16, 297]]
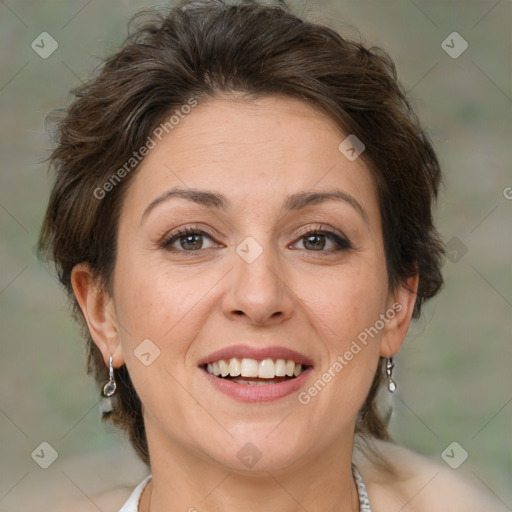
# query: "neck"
[[191, 483]]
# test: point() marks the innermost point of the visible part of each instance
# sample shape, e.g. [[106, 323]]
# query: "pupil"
[[190, 239], [310, 240]]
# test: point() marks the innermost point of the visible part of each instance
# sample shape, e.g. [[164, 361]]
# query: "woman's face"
[[283, 260]]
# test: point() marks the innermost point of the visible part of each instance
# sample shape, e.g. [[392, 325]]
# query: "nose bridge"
[[258, 289]]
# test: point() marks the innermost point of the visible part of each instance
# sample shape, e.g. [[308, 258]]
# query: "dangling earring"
[[391, 384], [108, 390]]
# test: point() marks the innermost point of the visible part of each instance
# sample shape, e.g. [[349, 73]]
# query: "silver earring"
[[391, 384], [109, 388]]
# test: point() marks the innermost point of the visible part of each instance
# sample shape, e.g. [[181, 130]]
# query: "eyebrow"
[[206, 198], [217, 201]]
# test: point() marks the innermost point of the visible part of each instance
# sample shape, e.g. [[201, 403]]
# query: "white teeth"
[[265, 382], [249, 368], [280, 368], [246, 367], [235, 367], [266, 369], [224, 367]]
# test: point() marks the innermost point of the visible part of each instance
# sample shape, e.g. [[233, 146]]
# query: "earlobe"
[[97, 308], [402, 303]]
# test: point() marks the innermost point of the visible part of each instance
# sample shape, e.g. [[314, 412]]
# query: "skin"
[[256, 153]]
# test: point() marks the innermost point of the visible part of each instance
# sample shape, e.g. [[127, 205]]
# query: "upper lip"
[[258, 353]]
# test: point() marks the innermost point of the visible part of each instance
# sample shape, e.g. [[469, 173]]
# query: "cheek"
[[345, 311], [347, 301], [157, 316], [162, 304]]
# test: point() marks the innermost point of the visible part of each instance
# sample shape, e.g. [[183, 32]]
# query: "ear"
[[402, 303], [99, 312]]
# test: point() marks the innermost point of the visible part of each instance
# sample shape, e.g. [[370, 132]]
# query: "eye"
[[191, 239], [323, 241], [188, 239]]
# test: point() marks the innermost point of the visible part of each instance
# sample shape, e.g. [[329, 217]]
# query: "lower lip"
[[262, 393]]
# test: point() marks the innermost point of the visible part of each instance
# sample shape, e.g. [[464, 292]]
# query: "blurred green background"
[[454, 377]]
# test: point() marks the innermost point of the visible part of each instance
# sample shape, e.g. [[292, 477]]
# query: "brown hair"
[[200, 49]]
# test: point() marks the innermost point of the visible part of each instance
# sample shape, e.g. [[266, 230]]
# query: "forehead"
[[254, 152]]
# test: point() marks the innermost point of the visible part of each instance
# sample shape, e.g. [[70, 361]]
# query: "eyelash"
[[341, 241], [189, 230]]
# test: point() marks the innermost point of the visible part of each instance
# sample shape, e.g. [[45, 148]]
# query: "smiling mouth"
[[253, 372]]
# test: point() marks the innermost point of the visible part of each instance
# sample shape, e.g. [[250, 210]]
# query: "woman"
[[242, 217]]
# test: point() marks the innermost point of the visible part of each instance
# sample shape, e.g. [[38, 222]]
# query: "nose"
[[258, 289]]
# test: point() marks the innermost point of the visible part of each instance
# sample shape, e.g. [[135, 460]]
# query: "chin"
[[262, 448]]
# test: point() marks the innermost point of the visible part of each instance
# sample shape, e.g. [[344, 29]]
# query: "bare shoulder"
[[421, 484], [111, 500]]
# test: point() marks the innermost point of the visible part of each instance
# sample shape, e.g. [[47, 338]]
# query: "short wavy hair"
[[204, 48]]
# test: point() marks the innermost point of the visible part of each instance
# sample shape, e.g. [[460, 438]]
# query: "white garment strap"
[[364, 502]]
